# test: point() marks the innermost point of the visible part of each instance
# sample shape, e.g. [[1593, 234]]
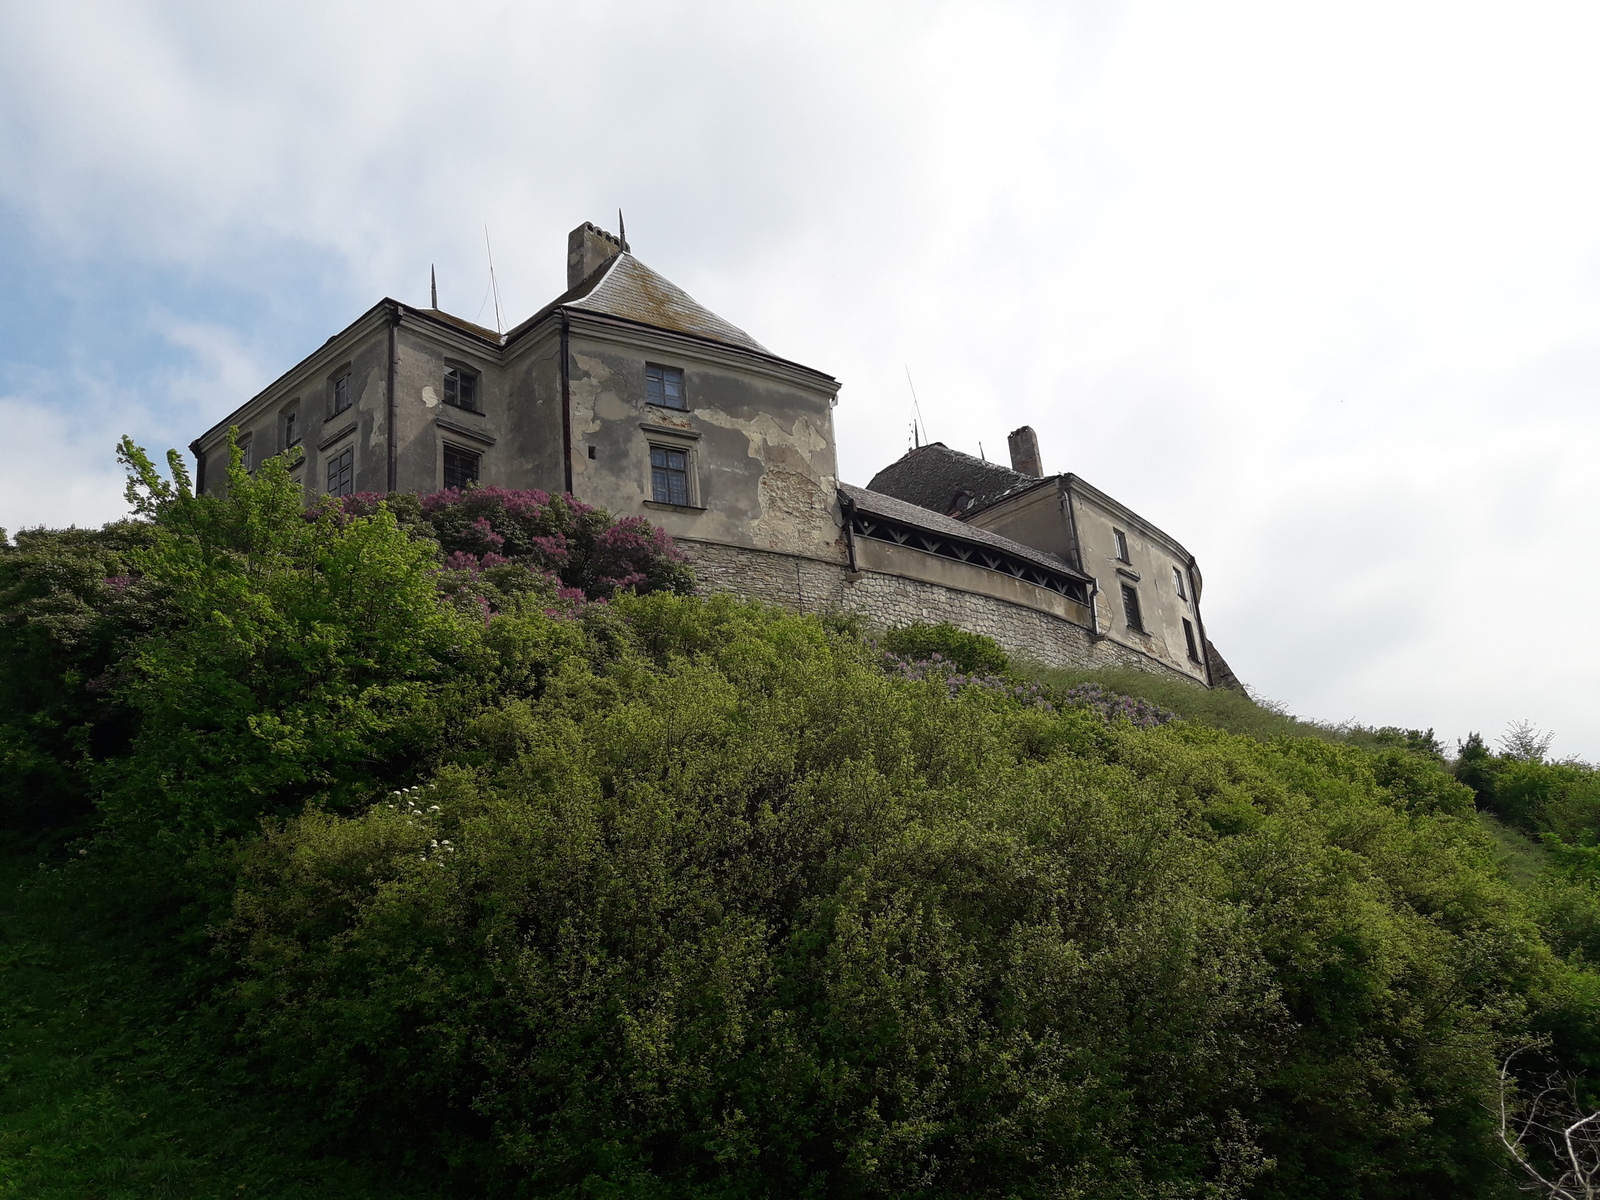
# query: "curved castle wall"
[[887, 599]]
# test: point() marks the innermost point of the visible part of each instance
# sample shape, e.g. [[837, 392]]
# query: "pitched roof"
[[935, 476], [877, 504], [624, 287]]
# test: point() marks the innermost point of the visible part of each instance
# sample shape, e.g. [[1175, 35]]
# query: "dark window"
[[460, 467], [247, 453], [461, 389], [291, 428], [669, 475], [1130, 608], [1122, 545], [1177, 582], [342, 473], [1188, 636], [341, 393], [664, 386]]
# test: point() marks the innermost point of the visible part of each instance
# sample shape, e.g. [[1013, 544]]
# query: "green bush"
[[971, 653], [729, 911], [670, 897]]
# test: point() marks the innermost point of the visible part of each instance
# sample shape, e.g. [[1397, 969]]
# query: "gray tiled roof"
[[875, 503], [934, 476], [630, 290], [624, 287]]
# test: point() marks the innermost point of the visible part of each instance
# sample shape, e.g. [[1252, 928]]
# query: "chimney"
[[588, 248], [1025, 452]]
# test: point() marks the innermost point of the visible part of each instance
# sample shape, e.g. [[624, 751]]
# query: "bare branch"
[[1549, 1124]]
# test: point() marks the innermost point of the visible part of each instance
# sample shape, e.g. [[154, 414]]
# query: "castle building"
[[633, 397]]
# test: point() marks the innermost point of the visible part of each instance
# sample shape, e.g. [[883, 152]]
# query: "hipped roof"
[[934, 475], [626, 288]]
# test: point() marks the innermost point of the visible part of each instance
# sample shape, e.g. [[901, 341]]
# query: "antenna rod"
[[914, 403], [433, 280], [499, 327]]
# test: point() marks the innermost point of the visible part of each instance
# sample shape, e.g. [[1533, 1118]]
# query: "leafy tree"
[[1475, 766], [70, 610], [300, 658]]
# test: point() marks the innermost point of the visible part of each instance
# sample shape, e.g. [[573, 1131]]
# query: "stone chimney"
[[588, 248], [1025, 452]]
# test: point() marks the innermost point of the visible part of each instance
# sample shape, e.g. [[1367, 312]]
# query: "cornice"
[[420, 323], [1085, 488], [622, 332], [324, 356]]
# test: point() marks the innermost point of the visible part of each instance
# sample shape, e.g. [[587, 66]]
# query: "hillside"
[[448, 845]]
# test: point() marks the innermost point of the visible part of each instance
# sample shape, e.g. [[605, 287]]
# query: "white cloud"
[[51, 472], [221, 371], [1313, 286]]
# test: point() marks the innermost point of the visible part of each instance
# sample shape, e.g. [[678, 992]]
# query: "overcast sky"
[[1315, 287]]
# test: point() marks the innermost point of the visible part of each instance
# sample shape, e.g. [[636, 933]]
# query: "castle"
[[633, 397]]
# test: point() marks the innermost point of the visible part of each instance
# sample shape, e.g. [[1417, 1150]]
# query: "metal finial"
[[433, 280], [622, 230]]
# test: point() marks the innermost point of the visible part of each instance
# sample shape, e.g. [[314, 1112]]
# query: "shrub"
[[971, 653], [580, 550], [750, 916]]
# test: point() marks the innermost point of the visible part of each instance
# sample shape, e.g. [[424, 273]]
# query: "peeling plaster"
[[430, 398], [764, 430], [372, 400]]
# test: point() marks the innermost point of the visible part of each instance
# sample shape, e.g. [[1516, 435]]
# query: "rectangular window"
[[664, 386], [1122, 545], [669, 475], [460, 467], [342, 473], [1130, 608], [1188, 636], [341, 393], [247, 453], [1177, 582], [461, 389], [291, 428]]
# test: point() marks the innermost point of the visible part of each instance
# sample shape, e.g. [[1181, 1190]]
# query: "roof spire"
[[433, 280], [622, 231]]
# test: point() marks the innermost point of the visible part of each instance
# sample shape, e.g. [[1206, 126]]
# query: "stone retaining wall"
[[884, 601]]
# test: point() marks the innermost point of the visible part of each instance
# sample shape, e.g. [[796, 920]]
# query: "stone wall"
[[810, 585], [790, 580]]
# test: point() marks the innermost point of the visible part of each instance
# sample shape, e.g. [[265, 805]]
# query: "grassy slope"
[[1219, 707], [101, 1097], [1521, 858]]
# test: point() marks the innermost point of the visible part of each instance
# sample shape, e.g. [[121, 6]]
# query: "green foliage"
[[512, 540], [747, 916], [971, 653], [1523, 789], [670, 897], [1416, 741], [109, 1089], [300, 658], [70, 612]]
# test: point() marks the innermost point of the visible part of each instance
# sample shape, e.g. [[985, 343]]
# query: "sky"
[[1314, 287]]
